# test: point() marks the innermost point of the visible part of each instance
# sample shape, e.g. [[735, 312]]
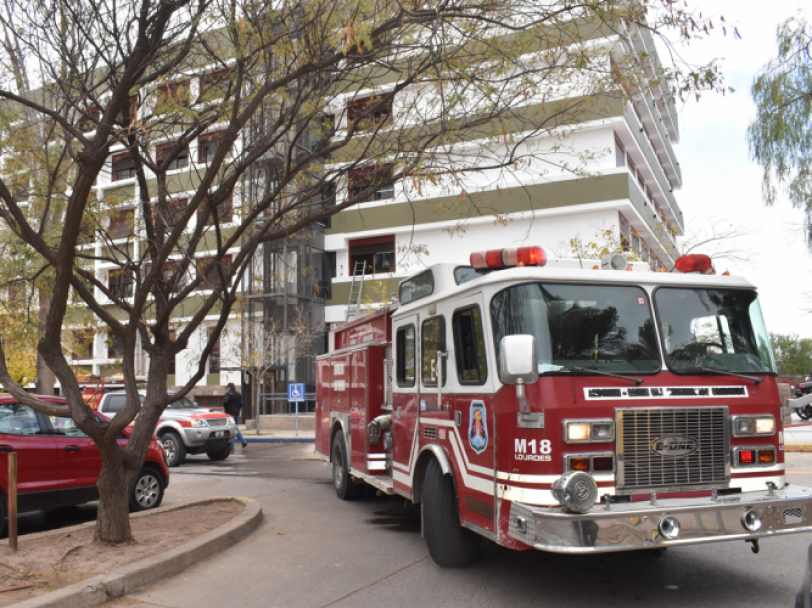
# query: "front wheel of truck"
[[450, 545]]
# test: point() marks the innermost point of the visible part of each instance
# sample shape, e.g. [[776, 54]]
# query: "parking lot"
[[314, 550]]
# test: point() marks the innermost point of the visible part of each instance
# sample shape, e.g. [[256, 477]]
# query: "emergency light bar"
[[696, 262], [503, 258]]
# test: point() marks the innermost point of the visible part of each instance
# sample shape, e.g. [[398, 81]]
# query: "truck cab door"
[[405, 398]]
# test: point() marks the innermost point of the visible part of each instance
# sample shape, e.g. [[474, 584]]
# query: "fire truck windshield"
[[601, 327], [713, 329]]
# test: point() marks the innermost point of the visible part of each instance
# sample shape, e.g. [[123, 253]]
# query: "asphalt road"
[[314, 550]]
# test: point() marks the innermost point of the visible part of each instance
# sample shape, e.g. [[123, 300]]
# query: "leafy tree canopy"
[[780, 137], [794, 352]]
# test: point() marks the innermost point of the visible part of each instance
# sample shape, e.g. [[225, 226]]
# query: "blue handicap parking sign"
[[296, 392]]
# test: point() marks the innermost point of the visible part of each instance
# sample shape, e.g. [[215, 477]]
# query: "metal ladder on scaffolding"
[[356, 289]]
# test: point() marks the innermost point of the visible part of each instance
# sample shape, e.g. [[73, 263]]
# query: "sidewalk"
[[278, 435]]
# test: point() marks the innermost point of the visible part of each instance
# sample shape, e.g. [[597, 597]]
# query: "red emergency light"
[[502, 258], [696, 262]]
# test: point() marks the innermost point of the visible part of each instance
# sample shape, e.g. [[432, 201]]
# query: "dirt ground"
[[49, 563]]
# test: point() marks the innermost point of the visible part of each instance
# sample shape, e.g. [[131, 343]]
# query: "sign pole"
[[297, 418]]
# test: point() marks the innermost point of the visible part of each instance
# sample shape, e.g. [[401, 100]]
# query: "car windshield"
[[184, 403], [713, 328], [603, 328]]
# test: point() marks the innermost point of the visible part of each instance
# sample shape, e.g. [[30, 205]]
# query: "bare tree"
[[160, 114]]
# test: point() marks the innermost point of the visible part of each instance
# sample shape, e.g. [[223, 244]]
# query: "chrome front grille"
[[217, 421], [674, 448], [792, 516]]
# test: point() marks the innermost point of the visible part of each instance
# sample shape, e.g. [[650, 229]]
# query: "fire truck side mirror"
[[517, 360]]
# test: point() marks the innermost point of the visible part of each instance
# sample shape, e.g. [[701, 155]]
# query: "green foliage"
[[780, 137], [794, 352]]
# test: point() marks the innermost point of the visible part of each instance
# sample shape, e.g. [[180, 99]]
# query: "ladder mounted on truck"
[[356, 289]]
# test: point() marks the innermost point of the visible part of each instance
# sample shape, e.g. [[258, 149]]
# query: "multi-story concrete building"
[[626, 187]]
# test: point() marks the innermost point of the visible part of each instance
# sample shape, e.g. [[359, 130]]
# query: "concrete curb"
[[102, 588], [797, 448]]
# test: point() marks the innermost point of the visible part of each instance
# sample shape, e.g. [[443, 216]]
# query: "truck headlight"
[[583, 431], [748, 426], [198, 423]]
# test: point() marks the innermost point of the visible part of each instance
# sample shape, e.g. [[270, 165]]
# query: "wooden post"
[[12, 501]]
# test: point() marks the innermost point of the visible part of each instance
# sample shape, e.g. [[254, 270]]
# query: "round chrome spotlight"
[[669, 527], [751, 520], [576, 491]]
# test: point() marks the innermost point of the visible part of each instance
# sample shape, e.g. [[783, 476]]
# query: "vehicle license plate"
[[218, 434]]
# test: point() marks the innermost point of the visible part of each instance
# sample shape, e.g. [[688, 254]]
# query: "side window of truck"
[[469, 346], [406, 355], [432, 340], [115, 403]]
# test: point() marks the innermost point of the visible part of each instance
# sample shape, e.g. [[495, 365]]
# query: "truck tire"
[[148, 492], [450, 545], [221, 454], [174, 448], [346, 489]]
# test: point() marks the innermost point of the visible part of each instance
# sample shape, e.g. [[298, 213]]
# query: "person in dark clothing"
[[232, 404]]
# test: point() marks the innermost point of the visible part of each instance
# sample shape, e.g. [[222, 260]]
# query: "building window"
[[209, 401], [215, 85], [377, 254], [121, 283], [431, 341], [361, 110], [179, 162], [82, 344], [122, 224], [327, 200], [214, 357], [631, 165], [172, 96], [224, 213], [625, 233], [115, 345], [123, 167], [208, 271], [207, 146], [620, 153], [375, 181], [470, 346], [175, 208], [405, 345]]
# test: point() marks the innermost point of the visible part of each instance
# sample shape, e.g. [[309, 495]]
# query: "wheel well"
[[156, 470], [165, 430], [422, 465], [337, 428]]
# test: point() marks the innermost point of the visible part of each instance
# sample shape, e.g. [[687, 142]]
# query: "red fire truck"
[[564, 406]]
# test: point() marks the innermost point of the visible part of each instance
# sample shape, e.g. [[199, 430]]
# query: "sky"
[[722, 185]]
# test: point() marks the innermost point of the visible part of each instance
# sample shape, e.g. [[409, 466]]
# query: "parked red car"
[[57, 464]]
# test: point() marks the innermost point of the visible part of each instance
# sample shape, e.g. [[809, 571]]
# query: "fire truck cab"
[[563, 406]]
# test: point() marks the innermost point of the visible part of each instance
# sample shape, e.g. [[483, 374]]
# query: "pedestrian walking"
[[232, 404]]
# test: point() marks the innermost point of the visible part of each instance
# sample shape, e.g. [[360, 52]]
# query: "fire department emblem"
[[478, 427]]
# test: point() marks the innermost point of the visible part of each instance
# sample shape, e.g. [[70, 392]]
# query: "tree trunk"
[[46, 380], [113, 514]]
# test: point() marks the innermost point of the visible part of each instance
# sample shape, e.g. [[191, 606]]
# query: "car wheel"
[[174, 448], [346, 489], [450, 545], [220, 454], [148, 492]]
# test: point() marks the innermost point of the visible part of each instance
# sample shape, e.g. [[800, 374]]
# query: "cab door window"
[[405, 350], [469, 345], [18, 419], [432, 340]]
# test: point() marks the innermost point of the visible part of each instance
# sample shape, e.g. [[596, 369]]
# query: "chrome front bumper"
[[630, 526], [198, 436]]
